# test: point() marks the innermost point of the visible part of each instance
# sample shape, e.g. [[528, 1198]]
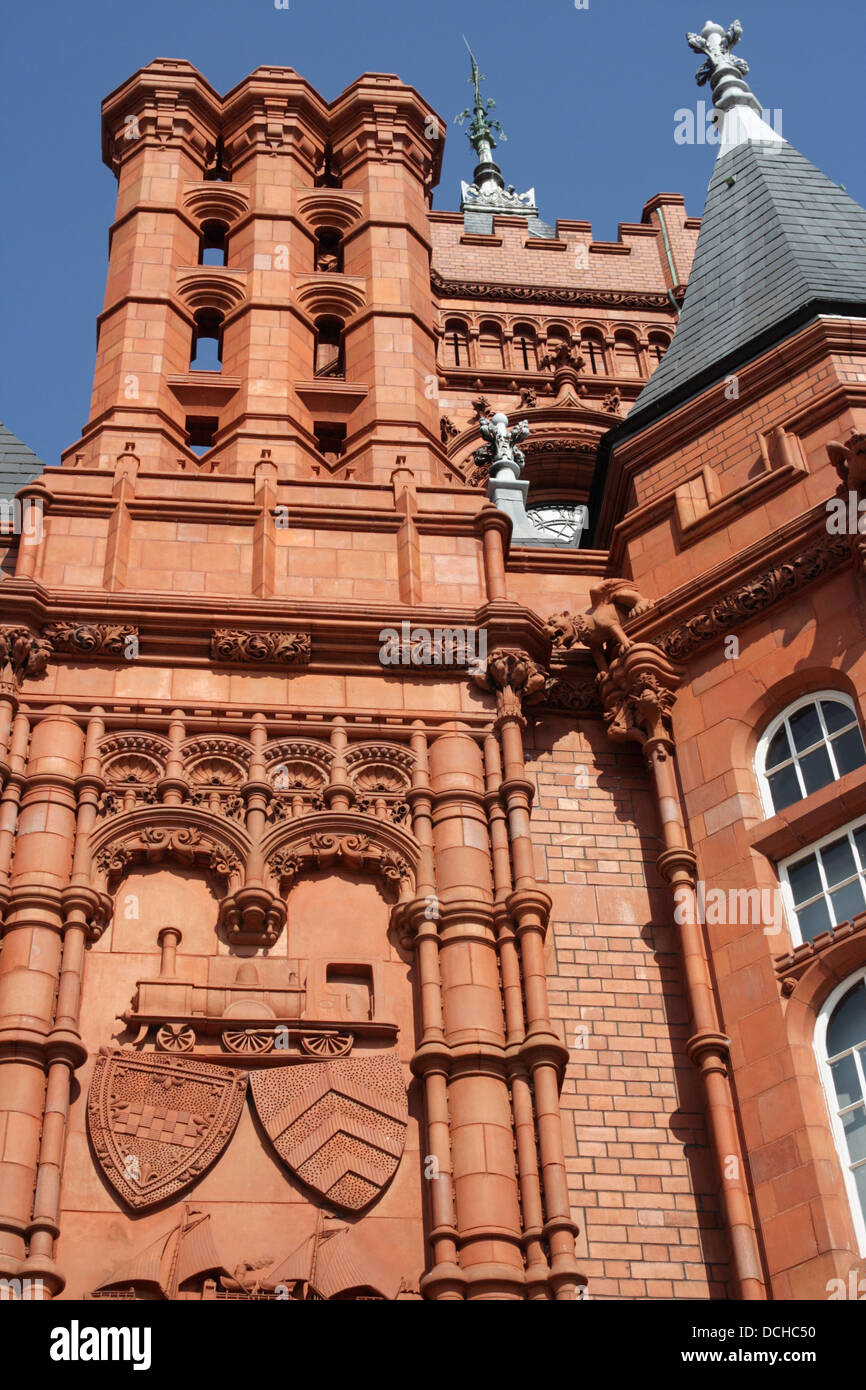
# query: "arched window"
[[840, 1041], [213, 248], [825, 884], [525, 348], [456, 343], [329, 250], [592, 352], [207, 342], [815, 741], [626, 355], [658, 346], [490, 353], [329, 347]]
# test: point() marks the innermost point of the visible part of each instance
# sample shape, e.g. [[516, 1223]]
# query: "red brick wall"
[[642, 1185]]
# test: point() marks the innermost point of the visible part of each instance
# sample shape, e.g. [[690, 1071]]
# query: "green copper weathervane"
[[488, 192]]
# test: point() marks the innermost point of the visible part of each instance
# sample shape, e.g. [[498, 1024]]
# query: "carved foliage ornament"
[[355, 851], [277, 648], [546, 294], [188, 844], [157, 1121], [729, 612], [22, 654], [91, 639]]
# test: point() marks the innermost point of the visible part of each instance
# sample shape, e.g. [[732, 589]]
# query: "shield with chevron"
[[339, 1125]]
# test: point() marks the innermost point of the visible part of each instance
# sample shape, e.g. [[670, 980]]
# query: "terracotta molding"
[[546, 294]]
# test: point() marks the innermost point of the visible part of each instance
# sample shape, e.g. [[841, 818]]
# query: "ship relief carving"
[[158, 1121], [338, 1125]]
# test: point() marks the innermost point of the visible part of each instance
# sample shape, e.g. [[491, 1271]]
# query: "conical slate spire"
[[488, 192], [779, 244]]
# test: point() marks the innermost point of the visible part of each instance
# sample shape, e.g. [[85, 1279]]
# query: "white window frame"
[[783, 866], [820, 1042], [813, 698]]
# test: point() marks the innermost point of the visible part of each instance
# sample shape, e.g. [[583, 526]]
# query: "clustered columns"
[[522, 916], [47, 919], [638, 694]]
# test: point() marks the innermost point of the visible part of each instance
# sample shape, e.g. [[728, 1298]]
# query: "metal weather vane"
[[482, 127]]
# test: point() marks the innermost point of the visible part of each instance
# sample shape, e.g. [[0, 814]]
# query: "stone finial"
[[721, 69]]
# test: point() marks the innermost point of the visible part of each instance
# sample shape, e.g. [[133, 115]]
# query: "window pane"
[[779, 748], [836, 715], [848, 1024], [860, 1182], [784, 788], [854, 1125], [848, 901], [849, 751], [816, 769], [814, 919], [846, 1080], [804, 879], [805, 727], [838, 860], [860, 839]]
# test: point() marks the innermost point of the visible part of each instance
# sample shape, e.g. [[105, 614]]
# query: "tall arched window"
[[815, 741], [490, 353], [592, 351], [840, 1041], [658, 346], [207, 336], [626, 355], [524, 348], [213, 249], [456, 343], [329, 347]]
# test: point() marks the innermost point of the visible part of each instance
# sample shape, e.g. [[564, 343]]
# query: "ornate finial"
[[721, 69], [482, 128], [488, 192]]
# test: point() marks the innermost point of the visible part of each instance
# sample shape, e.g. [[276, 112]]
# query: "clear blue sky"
[[587, 99]]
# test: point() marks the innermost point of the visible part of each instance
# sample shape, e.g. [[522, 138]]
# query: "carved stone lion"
[[600, 627]]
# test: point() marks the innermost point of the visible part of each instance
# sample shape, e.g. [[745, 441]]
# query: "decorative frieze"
[[91, 639], [547, 294], [252, 648]]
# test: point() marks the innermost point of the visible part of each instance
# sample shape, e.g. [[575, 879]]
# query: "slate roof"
[[778, 246], [18, 464]]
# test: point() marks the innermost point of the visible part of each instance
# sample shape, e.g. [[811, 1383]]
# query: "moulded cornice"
[[379, 117], [329, 207], [327, 292], [548, 294], [274, 111], [211, 287], [213, 201], [167, 103]]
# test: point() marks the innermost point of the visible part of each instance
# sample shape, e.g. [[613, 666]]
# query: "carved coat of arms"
[[340, 1125], [157, 1122]]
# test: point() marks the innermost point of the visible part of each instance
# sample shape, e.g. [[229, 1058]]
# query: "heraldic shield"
[[340, 1125], [157, 1122]]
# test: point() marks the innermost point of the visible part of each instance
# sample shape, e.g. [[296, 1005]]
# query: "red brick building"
[[372, 925]]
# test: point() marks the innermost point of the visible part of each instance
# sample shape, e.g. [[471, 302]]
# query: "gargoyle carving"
[[849, 460], [600, 627], [21, 654]]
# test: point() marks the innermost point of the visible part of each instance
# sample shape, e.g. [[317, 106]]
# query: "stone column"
[[515, 678], [30, 966], [638, 695], [482, 1138]]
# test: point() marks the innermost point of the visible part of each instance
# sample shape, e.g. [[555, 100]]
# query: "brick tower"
[[433, 785]]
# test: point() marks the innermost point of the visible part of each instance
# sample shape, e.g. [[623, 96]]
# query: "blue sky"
[[586, 96]]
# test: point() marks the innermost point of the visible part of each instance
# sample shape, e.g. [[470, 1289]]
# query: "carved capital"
[[249, 647], [514, 678], [22, 655], [638, 693]]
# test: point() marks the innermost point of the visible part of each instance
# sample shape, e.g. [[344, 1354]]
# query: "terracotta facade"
[[333, 974]]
